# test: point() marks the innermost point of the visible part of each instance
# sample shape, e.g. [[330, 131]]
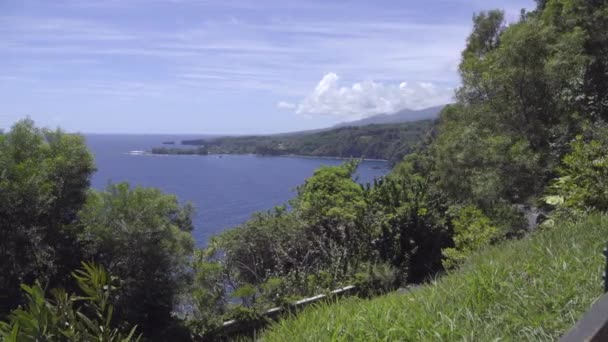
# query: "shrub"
[[583, 176], [472, 232], [376, 279], [68, 317]]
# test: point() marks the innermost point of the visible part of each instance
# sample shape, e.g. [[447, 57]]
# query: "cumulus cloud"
[[286, 105], [368, 98]]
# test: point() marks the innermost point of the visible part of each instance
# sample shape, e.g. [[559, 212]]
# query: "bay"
[[225, 189]]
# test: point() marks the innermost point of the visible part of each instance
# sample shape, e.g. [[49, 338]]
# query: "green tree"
[[282, 253], [44, 176], [332, 205], [408, 215], [269, 244], [482, 166], [144, 237], [591, 19], [209, 295], [517, 110]]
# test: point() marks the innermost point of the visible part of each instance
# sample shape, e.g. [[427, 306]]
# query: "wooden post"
[[606, 270], [593, 327]]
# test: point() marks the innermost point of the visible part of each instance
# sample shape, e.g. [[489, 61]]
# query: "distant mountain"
[[404, 115]]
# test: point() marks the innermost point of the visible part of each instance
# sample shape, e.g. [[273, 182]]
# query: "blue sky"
[[228, 66]]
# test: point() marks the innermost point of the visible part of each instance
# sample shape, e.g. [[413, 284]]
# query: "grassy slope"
[[532, 289]]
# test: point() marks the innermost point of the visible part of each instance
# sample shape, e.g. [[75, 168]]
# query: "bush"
[[377, 279], [407, 214], [583, 176], [472, 232], [68, 317]]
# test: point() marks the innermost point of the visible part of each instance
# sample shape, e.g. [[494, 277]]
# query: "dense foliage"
[[529, 90], [69, 317], [313, 247], [44, 176], [532, 289], [143, 237], [581, 184], [528, 129], [50, 221], [388, 141]]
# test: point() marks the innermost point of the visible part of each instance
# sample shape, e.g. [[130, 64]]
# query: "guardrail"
[[233, 327], [593, 327]]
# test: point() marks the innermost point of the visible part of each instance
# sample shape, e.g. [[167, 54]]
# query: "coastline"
[[321, 157], [148, 153]]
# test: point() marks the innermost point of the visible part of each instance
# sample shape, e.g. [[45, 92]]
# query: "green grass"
[[532, 289]]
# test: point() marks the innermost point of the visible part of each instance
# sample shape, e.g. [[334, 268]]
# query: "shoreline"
[[148, 153], [320, 157]]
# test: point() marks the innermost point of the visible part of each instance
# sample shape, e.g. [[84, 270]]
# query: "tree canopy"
[[528, 129]]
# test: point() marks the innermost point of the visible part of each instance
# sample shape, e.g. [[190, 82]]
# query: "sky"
[[228, 66]]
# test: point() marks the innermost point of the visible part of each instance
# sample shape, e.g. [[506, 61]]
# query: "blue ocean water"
[[225, 190]]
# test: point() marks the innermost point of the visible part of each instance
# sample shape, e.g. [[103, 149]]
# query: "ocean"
[[225, 189]]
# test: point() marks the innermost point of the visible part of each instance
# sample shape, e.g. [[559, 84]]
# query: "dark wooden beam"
[[593, 327]]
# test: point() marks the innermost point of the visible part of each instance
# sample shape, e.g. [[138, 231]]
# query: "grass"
[[532, 289]]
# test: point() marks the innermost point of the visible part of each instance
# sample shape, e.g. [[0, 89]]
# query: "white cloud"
[[286, 105], [223, 50], [281, 52], [367, 98]]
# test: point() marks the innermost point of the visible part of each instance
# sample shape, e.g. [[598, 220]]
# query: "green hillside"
[[528, 129], [389, 141], [532, 289]]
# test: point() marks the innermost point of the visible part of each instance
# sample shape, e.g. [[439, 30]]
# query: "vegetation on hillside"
[[51, 221], [528, 129], [528, 116], [202, 150], [68, 317], [533, 289], [389, 142]]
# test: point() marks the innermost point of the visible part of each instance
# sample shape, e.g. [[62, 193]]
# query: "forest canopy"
[[528, 130]]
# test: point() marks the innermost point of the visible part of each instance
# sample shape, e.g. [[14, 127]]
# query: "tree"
[[482, 166], [144, 237], [44, 176], [408, 214], [317, 245], [476, 57], [332, 205], [518, 109], [590, 18]]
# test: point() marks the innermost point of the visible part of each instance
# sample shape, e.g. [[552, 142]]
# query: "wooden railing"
[[593, 326]]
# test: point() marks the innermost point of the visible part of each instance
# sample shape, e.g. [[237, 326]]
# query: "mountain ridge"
[[403, 115]]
